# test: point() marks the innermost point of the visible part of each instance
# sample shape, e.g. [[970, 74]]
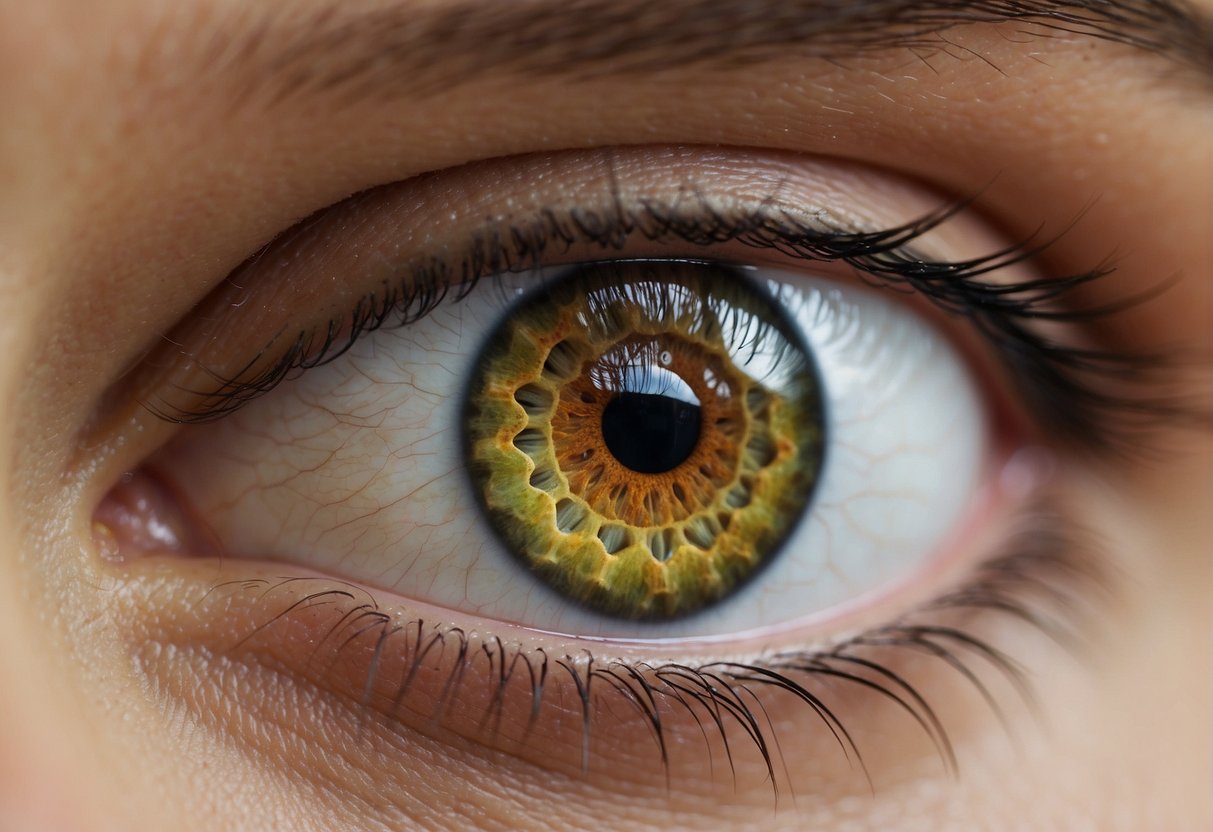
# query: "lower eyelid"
[[348, 645]]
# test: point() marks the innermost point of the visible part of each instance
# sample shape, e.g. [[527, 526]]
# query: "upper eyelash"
[[1060, 381]]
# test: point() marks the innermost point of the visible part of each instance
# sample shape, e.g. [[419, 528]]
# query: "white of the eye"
[[355, 469]]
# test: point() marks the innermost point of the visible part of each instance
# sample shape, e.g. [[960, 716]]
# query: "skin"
[[129, 189]]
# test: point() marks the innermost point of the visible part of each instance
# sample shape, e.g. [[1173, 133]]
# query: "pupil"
[[650, 433]]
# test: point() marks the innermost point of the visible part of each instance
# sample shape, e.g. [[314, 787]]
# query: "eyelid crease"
[[1063, 384]]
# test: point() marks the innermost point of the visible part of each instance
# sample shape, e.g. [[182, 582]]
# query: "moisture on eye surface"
[[644, 435]]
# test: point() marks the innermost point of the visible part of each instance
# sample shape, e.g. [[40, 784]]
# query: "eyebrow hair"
[[424, 49]]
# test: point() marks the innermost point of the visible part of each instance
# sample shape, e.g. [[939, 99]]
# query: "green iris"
[[644, 435]]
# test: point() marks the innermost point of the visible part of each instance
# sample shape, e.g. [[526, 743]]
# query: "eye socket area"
[[317, 607]]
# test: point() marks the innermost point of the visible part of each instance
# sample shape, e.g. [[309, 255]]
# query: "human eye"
[[423, 431]]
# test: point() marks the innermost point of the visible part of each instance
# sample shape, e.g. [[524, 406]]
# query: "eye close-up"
[[730, 414], [751, 426]]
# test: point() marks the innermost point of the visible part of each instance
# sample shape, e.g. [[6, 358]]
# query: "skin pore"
[[149, 149]]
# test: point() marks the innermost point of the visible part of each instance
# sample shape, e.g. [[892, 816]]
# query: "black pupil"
[[649, 433]]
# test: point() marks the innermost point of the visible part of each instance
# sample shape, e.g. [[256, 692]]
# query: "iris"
[[644, 435]]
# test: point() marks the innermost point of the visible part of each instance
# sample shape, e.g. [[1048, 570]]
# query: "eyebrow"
[[423, 49]]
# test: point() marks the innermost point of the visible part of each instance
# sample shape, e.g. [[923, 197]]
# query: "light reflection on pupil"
[[652, 421]]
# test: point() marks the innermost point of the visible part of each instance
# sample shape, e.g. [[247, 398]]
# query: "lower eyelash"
[[1038, 581]]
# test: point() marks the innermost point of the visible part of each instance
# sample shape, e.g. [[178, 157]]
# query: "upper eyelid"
[[768, 217]]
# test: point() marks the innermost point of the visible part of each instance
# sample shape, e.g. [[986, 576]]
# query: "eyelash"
[[1034, 582], [1062, 383]]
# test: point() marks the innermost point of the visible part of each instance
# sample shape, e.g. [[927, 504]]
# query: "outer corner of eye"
[[631, 450]]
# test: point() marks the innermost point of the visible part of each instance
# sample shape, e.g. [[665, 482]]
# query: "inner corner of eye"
[[144, 515]]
